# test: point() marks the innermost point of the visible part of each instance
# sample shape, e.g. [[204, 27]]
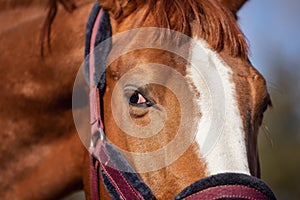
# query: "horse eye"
[[137, 99]]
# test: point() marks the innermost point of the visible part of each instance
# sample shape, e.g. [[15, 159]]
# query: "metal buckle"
[[99, 134]]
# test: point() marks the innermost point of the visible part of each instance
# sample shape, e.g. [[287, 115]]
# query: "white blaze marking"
[[220, 134]]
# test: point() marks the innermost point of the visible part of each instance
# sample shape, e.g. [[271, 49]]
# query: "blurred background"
[[272, 28]]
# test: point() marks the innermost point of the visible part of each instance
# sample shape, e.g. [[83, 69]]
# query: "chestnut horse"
[[41, 155], [201, 78]]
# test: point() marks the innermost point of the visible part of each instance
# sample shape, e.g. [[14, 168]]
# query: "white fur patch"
[[220, 134]]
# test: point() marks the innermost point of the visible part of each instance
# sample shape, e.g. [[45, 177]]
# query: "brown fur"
[[69, 5], [41, 155], [13, 4]]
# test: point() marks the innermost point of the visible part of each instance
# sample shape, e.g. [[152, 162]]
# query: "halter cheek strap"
[[95, 116], [106, 159]]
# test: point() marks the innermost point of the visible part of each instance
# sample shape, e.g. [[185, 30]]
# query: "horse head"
[[181, 100]]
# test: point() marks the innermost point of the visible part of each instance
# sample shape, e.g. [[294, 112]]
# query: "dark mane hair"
[[218, 25], [69, 5], [50, 5]]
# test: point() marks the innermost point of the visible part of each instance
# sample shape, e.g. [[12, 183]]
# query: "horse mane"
[[50, 5], [69, 5], [218, 25]]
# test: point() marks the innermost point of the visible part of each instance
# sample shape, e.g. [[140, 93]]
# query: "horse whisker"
[[268, 134]]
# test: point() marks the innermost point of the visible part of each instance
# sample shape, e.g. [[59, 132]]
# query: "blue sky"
[[272, 28]]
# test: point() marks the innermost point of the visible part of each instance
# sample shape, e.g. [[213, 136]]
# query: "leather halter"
[[105, 159]]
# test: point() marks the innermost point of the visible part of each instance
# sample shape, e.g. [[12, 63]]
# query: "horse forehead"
[[142, 57]]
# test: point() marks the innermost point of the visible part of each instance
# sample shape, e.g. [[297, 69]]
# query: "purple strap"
[[98, 154], [94, 178], [116, 178], [94, 113]]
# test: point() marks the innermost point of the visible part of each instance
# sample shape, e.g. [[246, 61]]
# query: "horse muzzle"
[[128, 185]]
